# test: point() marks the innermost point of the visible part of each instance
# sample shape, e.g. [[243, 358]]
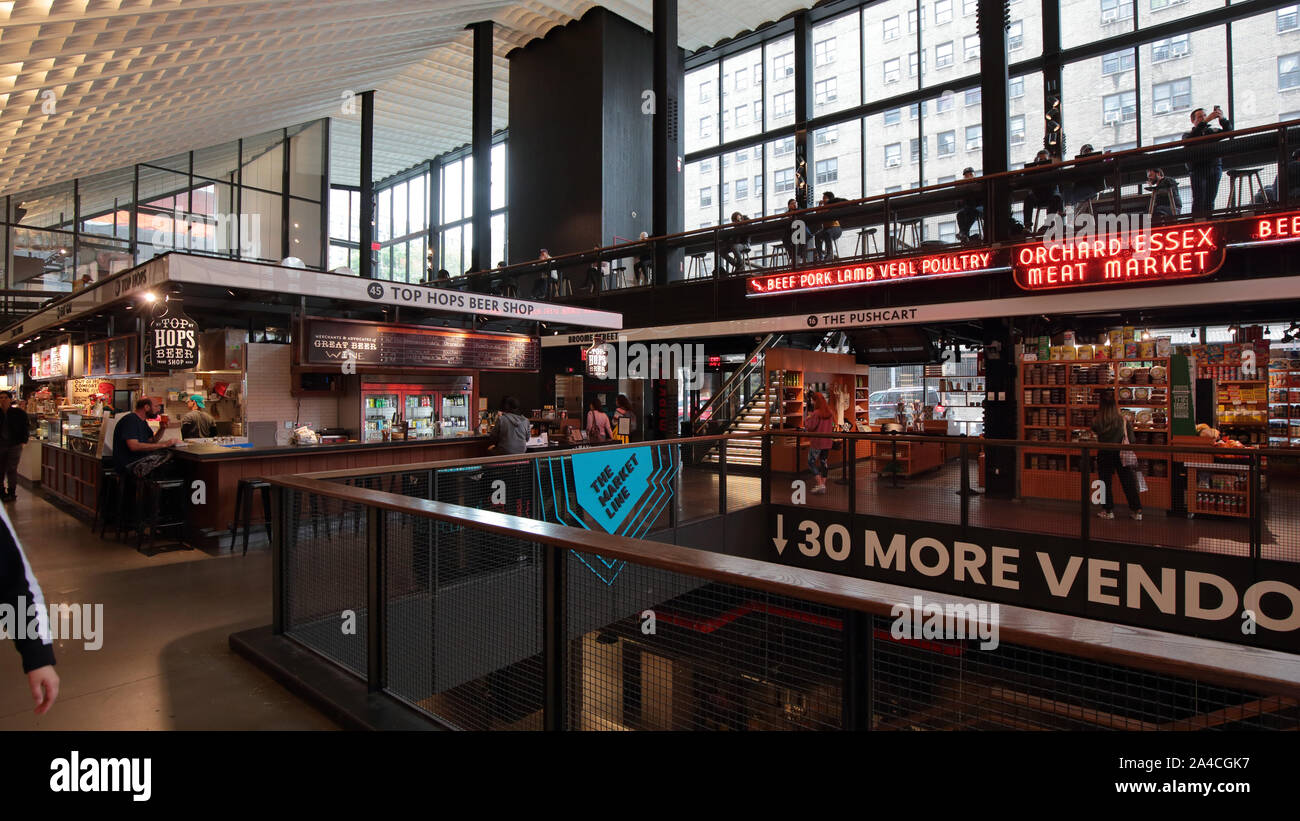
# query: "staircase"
[[747, 452]]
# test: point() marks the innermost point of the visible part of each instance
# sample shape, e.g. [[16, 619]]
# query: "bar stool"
[[904, 228], [244, 504], [1252, 183], [619, 275], [116, 492], [697, 267], [777, 257], [103, 499], [150, 494], [866, 244]]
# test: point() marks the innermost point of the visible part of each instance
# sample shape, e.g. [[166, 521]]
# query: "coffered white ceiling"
[[91, 85]]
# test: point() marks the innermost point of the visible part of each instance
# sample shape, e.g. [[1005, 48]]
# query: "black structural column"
[[666, 191], [367, 227], [994, 16], [803, 72], [1054, 126], [481, 256]]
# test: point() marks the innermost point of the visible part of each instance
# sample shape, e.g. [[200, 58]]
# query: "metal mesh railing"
[[581, 632]]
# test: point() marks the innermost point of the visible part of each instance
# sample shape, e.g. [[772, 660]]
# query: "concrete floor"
[[165, 663]]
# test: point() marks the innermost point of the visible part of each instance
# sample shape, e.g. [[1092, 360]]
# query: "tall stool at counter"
[[244, 504], [150, 493], [110, 486]]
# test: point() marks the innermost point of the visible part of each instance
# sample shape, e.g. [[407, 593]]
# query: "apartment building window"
[[783, 180], [782, 66], [706, 166], [1018, 130], [942, 12], [742, 79], [783, 104], [758, 111], [893, 189], [827, 135], [892, 70], [915, 110], [824, 91], [971, 46], [706, 196], [1157, 5], [969, 8], [919, 147], [1015, 35], [911, 63], [948, 231], [741, 156], [947, 144], [973, 96], [828, 171], [742, 115], [893, 155], [706, 91], [1171, 48], [742, 189], [1016, 87], [1288, 71], [911, 20], [943, 55], [943, 103], [758, 185], [1117, 61], [783, 147], [824, 51], [706, 127], [1288, 18], [893, 116], [891, 28], [974, 137], [1121, 107], [1112, 11], [726, 191], [1175, 95]]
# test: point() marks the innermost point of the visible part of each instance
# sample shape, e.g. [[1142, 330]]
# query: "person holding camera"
[[1205, 173]]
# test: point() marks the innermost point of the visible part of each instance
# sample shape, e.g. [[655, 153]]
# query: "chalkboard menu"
[[405, 346]]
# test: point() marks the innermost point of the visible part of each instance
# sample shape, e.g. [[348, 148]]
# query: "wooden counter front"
[[221, 471]]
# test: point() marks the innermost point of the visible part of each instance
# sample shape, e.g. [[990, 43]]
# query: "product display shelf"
[[1218, 489], [1284, 402], [1242, 409], [1053, 472]]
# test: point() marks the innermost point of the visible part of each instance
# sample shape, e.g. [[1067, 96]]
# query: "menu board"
[[119, 355], [405, 346], [50, 363], [97, 358]]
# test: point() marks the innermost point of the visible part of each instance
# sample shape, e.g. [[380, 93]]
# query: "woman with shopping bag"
[[1112, 428]]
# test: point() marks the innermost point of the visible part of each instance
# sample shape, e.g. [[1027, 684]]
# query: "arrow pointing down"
[[779, 539]]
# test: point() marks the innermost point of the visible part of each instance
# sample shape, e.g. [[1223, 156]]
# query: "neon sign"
[[868, 273], [1176, 252], [1279, 228]]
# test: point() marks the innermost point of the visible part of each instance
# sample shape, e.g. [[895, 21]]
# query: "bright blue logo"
[[609, 484]]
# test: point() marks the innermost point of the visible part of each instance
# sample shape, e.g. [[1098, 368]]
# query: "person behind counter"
[[14, 433], [133, 440], [1111, 427], [512, 429], [197, 423]]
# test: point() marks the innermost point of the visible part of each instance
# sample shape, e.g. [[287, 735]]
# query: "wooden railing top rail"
[[1228, 665]]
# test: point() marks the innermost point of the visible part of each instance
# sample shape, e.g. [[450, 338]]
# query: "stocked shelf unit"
[[912, 457], [1219, 489], [1284, 402], [963, 397], [1059, 403], [785, 410], [1242, 409]]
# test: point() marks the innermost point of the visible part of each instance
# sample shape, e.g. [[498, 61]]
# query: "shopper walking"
[[14, 433], [820, 420], [20, 591], [1112, 428], [597, 423]]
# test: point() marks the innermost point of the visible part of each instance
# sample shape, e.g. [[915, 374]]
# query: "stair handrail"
[[752, 362]]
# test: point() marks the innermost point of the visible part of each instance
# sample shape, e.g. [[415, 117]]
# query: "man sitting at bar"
[[132, 438], [830, 230], [1166, 201], [1043, 194], [737, 245], [197, 423]]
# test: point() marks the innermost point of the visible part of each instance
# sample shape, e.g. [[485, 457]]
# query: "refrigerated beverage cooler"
[[423, 411]]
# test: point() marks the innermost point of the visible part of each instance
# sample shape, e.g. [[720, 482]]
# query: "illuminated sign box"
[[1159, 254], [959, 263]]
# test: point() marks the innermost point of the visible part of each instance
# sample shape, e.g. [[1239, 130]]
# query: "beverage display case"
[[399, 410]]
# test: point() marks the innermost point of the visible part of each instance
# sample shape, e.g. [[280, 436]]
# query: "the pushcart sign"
[[847, 276], [1153, 255]]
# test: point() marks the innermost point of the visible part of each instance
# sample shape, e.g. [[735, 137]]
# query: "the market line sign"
[[1106, 258]]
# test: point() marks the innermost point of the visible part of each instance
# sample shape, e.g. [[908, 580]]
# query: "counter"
[[221, 468]]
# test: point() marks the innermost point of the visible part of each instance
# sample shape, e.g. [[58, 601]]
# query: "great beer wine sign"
[[959, 263]]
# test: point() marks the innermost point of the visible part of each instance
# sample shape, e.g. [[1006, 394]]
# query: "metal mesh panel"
[[464, 628], [413, 483], [1280, 508], [953, 685], [714, 656], [325, 576]]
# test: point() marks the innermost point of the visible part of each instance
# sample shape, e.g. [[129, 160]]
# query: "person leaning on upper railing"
[[969, 208], [1206, 172], [1044, 193], [792, 247], [1086, 188]]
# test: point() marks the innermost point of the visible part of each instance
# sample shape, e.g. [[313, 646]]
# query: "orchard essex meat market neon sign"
[[867, 273], [1177, 252]]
